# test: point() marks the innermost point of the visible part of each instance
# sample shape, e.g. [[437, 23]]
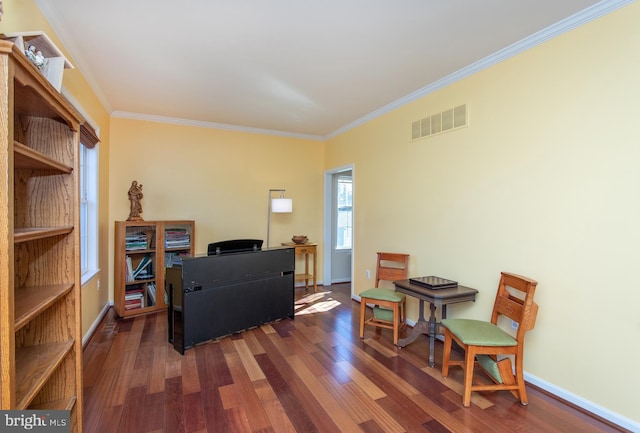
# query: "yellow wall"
[[22, 16], [219, 178], [544, 182]]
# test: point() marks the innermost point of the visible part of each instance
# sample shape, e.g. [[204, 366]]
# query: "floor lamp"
[[277, 205]]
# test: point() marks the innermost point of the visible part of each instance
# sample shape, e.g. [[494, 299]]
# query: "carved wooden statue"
[[135, 195]]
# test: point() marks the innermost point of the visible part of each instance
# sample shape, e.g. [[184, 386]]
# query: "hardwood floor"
[[311, 374]]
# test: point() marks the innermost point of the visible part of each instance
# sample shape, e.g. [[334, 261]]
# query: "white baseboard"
[[583, 403], [341, 281], [95, 324]]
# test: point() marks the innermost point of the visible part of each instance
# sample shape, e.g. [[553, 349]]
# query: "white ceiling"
[[299, 67]]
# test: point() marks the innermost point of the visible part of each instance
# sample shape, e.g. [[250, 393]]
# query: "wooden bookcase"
[[143, 249], [40, 323]]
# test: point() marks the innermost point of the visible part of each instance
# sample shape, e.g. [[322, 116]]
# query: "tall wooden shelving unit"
[[156, 241], [40, 323]]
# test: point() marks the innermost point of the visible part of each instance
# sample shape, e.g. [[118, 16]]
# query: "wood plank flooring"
[[311, 374]]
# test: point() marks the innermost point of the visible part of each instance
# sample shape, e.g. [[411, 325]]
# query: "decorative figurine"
[[39, 60], [135, 195], [35, 56], [30, 52]]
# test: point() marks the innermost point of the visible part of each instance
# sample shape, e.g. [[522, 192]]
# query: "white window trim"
[[92, 168], [93, 198]]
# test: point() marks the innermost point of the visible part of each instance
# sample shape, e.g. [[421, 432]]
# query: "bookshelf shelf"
[[35, 233], [143, 249], [31, 301], [25, 157], [35, 364]]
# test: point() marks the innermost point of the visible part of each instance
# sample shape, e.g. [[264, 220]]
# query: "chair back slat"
[[391, 267], [518, 306], [508, 307]]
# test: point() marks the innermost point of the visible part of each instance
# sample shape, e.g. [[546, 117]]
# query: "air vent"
[[438, 123]]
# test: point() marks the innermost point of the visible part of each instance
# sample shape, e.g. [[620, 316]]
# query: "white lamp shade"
[[281, 205]]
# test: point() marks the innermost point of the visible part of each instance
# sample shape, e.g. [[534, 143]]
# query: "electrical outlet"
[[368, 274], [98, 284], [514, 325]]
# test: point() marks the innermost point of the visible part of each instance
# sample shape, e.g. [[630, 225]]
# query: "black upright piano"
[[223, 293]]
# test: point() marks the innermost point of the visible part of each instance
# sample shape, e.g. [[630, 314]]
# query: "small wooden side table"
[[437, 298], [306, 249]]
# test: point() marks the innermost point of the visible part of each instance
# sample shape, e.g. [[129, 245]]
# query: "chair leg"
[[446, 353], [363, 307], [520, 380], [469, 364], [396, 322]]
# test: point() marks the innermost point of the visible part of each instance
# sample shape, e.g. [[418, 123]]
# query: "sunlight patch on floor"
[[313, 297], [319, 307], [315, 303]]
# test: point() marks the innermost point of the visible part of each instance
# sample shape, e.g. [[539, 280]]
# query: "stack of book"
[[136, 241], [134, 298], [177, 238]]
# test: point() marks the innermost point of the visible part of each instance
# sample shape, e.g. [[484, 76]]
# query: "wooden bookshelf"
[[40, 322], [157, 243]]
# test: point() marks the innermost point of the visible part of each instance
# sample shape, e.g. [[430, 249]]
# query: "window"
[[84, 209], [344, 216], [88, 206]]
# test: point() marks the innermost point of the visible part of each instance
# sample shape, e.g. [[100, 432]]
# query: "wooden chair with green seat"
[[388, 305], [483, 341]]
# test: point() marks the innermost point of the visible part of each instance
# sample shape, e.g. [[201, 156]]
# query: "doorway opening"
[[338, 225]]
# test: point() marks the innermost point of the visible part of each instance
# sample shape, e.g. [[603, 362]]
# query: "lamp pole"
[[271, 191]]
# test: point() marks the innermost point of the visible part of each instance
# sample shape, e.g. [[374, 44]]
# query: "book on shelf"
[[174, 258], [129, 276], [151, 290], [134, 293], [177, 238], [134, 298], [136, 241], [132, 305], [144, 269]]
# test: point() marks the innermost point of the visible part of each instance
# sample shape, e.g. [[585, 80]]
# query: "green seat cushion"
[[383, 314], [479, 333], [382, 294]]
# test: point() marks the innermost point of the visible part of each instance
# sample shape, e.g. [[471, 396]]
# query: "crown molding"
[[589, 14], [213, 125]]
